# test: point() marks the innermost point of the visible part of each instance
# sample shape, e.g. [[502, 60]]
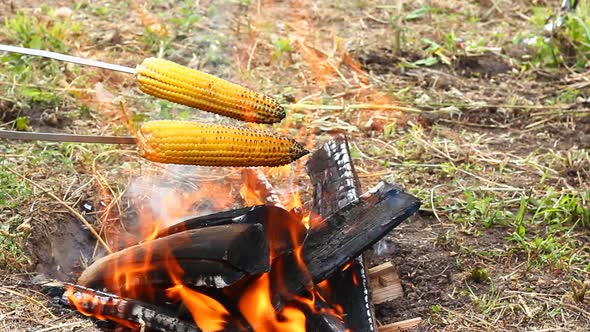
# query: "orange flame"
[[207, 313], [256, 306], [255, 298]]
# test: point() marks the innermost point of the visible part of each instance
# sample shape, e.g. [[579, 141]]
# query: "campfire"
[[274, 265]]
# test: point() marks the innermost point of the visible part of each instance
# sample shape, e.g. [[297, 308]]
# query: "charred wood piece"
[[323, 319], [354, 228], [344, 235], [351, 292], [280, 226], [214, 256], [215, 219], [127, 312], [336, 185]]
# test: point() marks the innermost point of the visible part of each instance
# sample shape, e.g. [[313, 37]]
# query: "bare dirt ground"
[[442, 97]]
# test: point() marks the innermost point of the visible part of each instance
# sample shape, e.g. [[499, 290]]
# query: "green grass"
[[27, 83], [13, 191], [25, 78], [13, 228], [48, 164], [568, 44]]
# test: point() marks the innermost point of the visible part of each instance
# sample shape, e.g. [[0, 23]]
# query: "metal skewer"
[[66, 58], [54, 137]]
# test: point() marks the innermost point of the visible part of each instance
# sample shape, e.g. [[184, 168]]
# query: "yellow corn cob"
[[168, 80], [192, 143]]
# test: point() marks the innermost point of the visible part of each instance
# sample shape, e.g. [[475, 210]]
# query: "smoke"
[[383, 247]]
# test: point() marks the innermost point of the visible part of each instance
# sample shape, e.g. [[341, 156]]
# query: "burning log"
[[127, 312], [324, 319], [215, 256], [336, 185], [281, 227], [328, 247], [345, 234]]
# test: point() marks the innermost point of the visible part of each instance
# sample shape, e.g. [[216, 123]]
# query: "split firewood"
[[336, 185], [401, 326], [284, 229], [127, 312], [214, 256], [346, 234], [385, 283]]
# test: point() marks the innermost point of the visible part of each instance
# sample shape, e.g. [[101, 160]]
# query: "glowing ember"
[[79, 300], [347, 266]]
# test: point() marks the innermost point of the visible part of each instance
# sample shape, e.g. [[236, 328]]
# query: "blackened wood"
[[332, 174], [281, 227], [124, 311], [323, 319], [214, 256], [196, 273], [354, 228], [349, 290], [324, 322], [215, 219], [336, 185], [346, 234]]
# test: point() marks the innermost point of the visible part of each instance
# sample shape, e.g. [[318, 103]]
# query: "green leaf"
[[418, 13], [21, 123], [35, 42], [389, 130], [355, 153], [427, 62], [282, 45], [521, 230], [521, 210], [165, 114]]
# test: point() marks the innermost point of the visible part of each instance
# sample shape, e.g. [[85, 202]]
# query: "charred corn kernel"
[[168, 80], [192, 143]]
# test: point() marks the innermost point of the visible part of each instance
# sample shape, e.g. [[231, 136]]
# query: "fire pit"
[[266, 267]]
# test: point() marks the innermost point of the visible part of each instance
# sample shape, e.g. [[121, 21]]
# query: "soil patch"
[[41, 116], [61, 248], [486, 65], [428, 272]]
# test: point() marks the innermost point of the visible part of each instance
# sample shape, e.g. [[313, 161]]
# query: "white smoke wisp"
[[170, 192], [382, 247]]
